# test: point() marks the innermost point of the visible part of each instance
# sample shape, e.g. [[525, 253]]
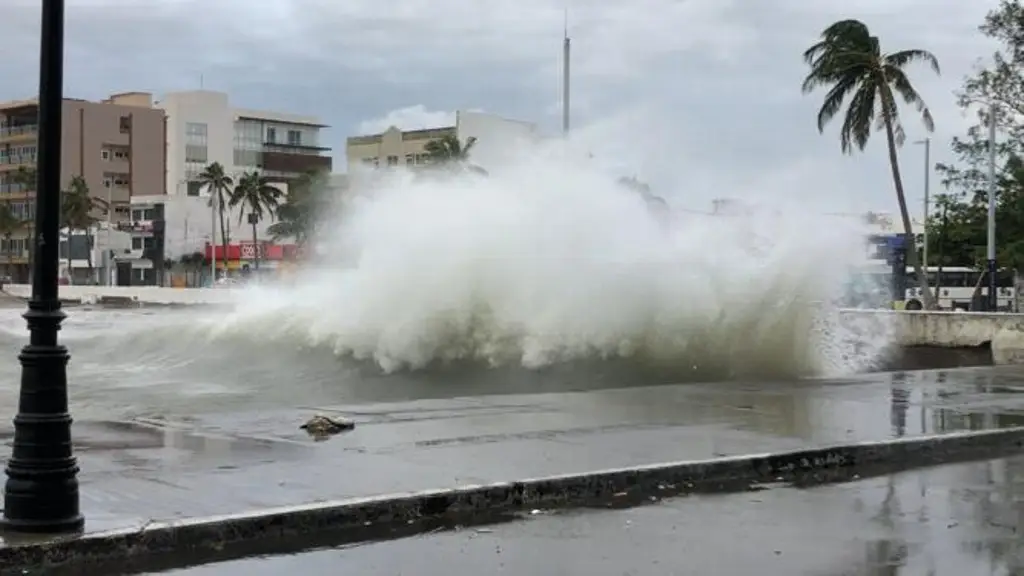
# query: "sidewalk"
[[944, 521], [138, 473]]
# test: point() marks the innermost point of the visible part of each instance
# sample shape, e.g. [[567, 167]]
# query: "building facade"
[[497, 139], [202, 128], [116, 145]]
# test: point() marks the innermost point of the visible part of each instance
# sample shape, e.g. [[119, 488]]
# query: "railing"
[[18, 130], [19, 159]]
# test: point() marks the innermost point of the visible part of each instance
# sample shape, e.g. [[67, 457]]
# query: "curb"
[[350, 521]]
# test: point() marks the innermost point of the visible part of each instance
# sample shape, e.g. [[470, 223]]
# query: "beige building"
[[117, 145], [392, 147], [497, 140]]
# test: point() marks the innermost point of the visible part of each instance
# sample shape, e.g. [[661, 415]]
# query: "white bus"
[[955, 285]]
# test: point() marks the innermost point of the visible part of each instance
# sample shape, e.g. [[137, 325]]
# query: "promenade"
[[155, 476]]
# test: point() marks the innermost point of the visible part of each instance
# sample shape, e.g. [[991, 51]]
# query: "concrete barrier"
[[141, 294], [187, 542], [1004, 333]]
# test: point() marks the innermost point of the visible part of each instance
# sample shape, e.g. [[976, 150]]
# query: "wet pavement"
[[137, 472], [956, 520]]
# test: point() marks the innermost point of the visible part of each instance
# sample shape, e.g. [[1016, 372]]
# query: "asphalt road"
[[959, 520]]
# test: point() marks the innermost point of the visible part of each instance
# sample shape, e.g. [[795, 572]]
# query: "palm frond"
[[904, 57]]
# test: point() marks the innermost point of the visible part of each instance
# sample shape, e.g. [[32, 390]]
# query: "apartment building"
[[204, 127], [116, 145], [497, 139]]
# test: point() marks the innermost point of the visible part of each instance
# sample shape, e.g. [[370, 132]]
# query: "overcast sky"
[[701, 97]]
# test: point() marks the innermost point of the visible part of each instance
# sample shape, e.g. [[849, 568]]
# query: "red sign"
[[247, 251]]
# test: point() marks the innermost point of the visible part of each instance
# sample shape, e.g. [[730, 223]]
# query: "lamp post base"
[[41, 494]]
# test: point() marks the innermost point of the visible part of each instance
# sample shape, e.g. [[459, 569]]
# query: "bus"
[[954, 286]]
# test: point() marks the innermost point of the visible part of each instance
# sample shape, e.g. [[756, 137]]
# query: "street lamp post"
[[927, 143], [41, 493], [991, 247]]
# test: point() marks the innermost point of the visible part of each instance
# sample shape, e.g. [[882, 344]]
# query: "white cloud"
[[717, 80], [409, 118]]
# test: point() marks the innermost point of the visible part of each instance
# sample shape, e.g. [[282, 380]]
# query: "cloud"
[[409, 118], [711, 86]]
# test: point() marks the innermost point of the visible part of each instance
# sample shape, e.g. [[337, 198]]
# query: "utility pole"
[[991, 249], [566, 49]]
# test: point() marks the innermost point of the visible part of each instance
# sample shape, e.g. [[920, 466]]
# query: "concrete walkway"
[[141, 472], [946, 521]]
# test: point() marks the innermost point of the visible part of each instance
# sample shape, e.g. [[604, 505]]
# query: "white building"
[[497, 139], [109, 246], [202, 127]]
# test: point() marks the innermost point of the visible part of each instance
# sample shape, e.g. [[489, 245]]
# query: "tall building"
[[115, 145], [202, 128], [496, 138]]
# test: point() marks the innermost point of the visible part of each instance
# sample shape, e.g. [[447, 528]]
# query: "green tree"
[[998, 87], [307, 200], [849, 61], [9, 224], [255, 192], [77, 211], [219, 185], [193, 265], [447, 152]]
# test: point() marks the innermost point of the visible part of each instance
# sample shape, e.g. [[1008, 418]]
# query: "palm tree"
[[219, 185], [77, 207], [9, 224], [849, 60], [255, 192], [449, 153], [307, 200]]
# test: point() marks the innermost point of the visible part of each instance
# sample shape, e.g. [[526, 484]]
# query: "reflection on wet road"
[[956, 520]]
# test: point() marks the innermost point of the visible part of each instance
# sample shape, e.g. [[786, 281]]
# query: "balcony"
[[13, 162], [10, 134], [295, 163]]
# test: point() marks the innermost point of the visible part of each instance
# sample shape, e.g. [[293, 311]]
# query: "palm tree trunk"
[[255, 247], [88, 255], [223, 232], [915, 263]]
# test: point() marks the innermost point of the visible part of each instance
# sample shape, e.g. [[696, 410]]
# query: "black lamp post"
[[41, 494]]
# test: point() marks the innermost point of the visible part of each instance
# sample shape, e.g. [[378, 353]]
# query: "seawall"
[[1002, 333], [126, 295]]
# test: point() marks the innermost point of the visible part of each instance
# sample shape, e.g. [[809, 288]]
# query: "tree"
[[76, 211], [999, 87], [9, 224], [447, 152], [849, 61], [192, 263], [307, 200], [959, 234], [255, 192], [219, 185]]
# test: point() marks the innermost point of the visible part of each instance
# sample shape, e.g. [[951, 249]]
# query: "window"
[[136, 243], [410, 159], [196, 153], [195, 129], [369, 161], [107, 183], [121, 155], [105, 154], [271, 135], [194, 188], [392, 160], [294, 138], [126, 124]]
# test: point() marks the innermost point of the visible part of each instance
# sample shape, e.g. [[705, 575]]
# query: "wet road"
[[955, 520]]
